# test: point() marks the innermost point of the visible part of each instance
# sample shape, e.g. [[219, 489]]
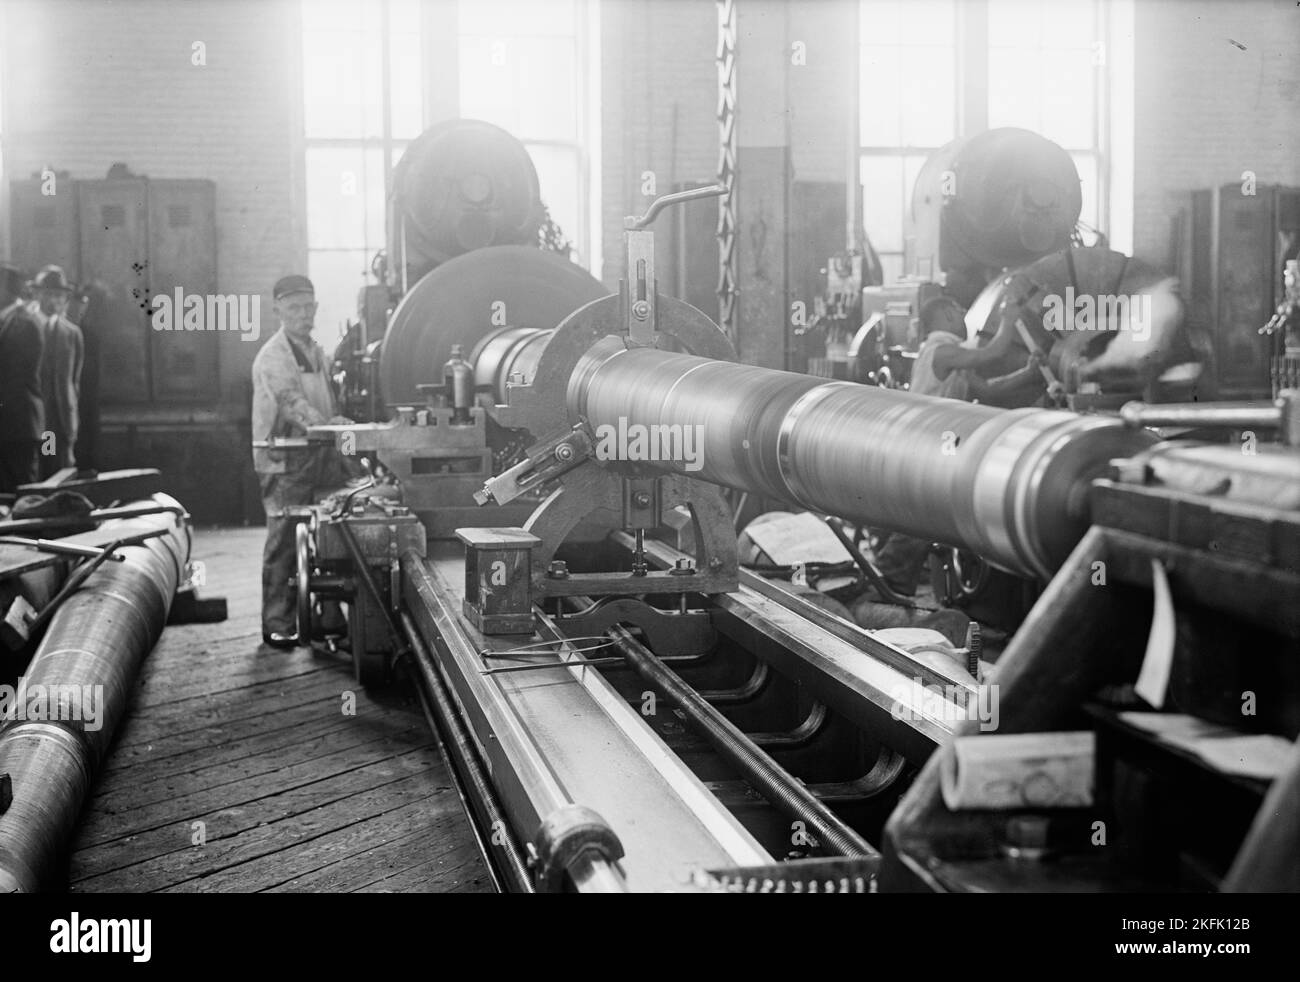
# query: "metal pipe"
[[1282, 414], [1010, 485], [1231, 415], [96, 517], [465, 766], [54, 547], [768, 778], [873, 575], [83, 573], [497, 884], [86, 666]]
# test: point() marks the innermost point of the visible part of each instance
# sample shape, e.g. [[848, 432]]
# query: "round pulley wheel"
[[466, 184], [958, 577], [1007, 196], [469, 297], [306, 600]]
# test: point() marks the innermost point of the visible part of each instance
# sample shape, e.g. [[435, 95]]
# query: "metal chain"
[[729, 267]]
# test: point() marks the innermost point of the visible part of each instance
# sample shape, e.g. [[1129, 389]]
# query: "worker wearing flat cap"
[[291, 391], [61, 363], [22, 406]]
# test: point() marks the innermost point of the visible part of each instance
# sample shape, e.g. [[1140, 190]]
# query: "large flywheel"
[[468, 297]]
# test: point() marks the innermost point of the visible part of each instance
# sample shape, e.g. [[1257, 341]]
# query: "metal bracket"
[[639, 290], [669, 634], [545, 462], [589, 489]]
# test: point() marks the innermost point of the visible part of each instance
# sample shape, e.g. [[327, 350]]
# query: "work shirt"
[[291, 391], [955, 385]]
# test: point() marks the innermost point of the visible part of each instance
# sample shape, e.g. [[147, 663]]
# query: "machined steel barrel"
[[79, 684], [1010, 485]]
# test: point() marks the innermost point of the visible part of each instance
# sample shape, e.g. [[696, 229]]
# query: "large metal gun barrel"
[[88, 660], [1010, 485]]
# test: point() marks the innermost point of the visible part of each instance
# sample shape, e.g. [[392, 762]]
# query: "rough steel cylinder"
[[93, 649]]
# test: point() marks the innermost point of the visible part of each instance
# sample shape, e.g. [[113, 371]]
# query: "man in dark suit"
[[22, 409], [60, 368]]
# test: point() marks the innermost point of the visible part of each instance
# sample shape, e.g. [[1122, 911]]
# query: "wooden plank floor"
[[238, 769]]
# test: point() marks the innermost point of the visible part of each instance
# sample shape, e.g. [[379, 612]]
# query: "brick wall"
[[659, 87], [660, 95], [90, 83], [1205, 110]]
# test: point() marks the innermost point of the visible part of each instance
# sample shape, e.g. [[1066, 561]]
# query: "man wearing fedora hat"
[[60, 366], [291, 391], [22, 408]]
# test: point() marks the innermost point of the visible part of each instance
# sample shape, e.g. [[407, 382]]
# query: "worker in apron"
[[291, 391]]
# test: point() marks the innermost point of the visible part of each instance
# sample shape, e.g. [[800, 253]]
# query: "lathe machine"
[[627, 708]]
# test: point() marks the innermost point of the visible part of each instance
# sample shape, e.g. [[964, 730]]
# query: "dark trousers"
[[19, 463], [901, 561], [51, 463], [305, 484]]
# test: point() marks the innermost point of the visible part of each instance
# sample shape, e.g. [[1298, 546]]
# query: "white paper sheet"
[[1153, 679], [794, 539]]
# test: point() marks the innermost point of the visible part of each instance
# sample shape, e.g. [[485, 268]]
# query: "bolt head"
[[564, 452], [642, 499], [641, 310]]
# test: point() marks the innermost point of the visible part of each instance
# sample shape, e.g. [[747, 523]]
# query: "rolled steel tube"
[[93, 650], [767, 777], [1010, 485]]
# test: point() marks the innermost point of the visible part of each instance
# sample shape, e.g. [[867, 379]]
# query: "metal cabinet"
[[43, 223], [113, 218], [182, 250], [1233, 247], [141, 238]]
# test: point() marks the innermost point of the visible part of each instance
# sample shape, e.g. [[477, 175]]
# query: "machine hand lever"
[[676, 198]]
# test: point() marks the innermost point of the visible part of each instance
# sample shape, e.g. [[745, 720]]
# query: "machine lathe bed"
[[726, 728]]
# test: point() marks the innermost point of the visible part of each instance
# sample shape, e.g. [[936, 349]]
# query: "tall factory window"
[[362, 105], [524, 66], [933, 70], [907, 108], [5, 238], [1047, 74]]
